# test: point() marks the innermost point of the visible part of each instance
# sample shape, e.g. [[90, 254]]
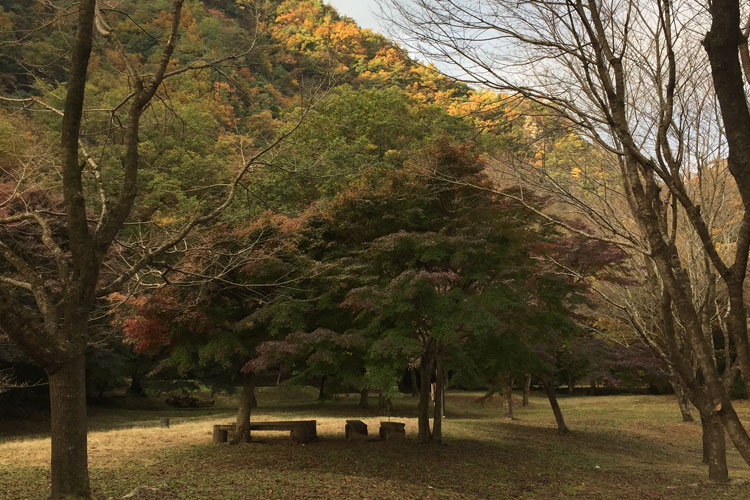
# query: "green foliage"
[[377, 186]]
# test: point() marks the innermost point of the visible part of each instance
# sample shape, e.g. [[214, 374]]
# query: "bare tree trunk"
[[437, 418], [242, 428], [706, 448], [322, 392], [714, 448], [424, 399], [442, 395], [67, 393], [136, 386], [414, 383], [683, 401], [363, 395], [713, 418], [571, 384], [526, 390], [508, 396], [549, 387]]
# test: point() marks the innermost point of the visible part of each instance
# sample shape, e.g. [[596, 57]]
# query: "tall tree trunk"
[[242, 427], [437, 416], [571, 384], [363, 395], [526, 390], [322, 392], [424, 399], [714, 448], [508, 396], [414, 383], [683, 401], [136, 386], [549, 387], [704, 398], [706, 438], [67, 394], [442, 394]]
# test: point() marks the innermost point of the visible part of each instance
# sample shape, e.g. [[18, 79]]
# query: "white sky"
[[361, 11]]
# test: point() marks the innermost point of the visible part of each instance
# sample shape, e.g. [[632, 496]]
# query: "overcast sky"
[[361, 11]]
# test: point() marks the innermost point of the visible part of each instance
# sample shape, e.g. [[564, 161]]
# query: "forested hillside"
[[244, 73]]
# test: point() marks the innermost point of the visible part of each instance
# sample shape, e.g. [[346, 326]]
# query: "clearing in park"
[[619, 447]]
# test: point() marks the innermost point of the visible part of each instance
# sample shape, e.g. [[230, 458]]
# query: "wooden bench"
[[356, 430], [301, 431], [392, 430], [222, 432]]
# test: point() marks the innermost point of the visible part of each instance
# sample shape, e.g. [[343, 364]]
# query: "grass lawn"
[[620, 447]]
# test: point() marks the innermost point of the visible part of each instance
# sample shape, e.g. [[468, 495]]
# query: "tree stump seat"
[[301, 431], [222, 432], [356, 430], [392, 430]]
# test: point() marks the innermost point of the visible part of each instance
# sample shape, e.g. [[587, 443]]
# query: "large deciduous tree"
[[62, 251], [634, 77]]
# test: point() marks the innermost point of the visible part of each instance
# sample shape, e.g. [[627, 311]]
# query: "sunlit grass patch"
[[620, 447]]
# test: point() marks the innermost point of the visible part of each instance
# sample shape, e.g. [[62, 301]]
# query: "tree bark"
[[244, 412], [682, 399], [705, 430], [363, 401], [508, 396], [423, 413], [322, 392], [414, 383], [136, 386], [67, 393], [526, 390], [549, 387], [437, 416], [442, 393], [714, 448]]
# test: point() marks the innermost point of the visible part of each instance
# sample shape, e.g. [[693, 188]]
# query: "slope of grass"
[[621, 447]]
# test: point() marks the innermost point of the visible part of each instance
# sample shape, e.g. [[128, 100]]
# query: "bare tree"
[[629, 75], [8, 381], [583, 184]]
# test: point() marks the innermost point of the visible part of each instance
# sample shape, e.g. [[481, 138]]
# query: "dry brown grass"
[[142, 445], [620, 447]]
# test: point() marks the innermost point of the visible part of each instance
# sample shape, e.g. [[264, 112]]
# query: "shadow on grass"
[[499, 460], [485, 457]]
